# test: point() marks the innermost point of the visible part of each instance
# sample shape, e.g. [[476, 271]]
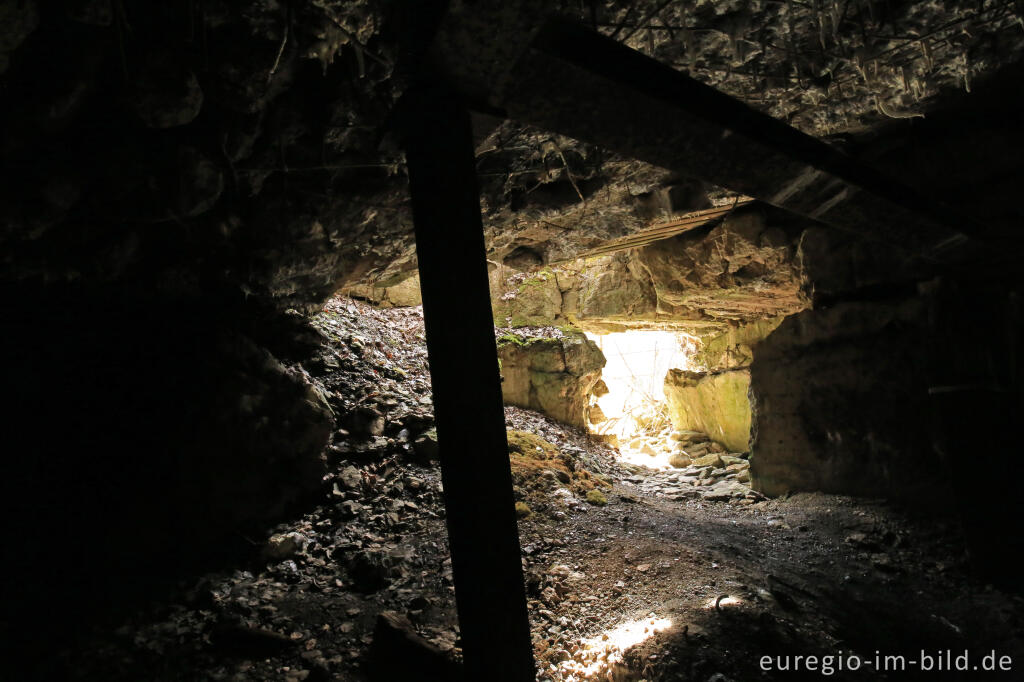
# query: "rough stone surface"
[[725, 280], [841, 402], [526, 300], [180, 176], [715, 404], [551, 375], [741, 270], [404, 294], [733, 348]]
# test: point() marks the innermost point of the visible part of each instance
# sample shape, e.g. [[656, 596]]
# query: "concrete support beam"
[[468, 410], [570, 80]]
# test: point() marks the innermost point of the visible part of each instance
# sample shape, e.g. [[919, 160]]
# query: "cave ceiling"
[[208, 147]]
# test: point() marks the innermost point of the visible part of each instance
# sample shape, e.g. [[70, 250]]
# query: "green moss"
[[538, 280], [514, 339], [597, 498], [522, 510], [529, 445]]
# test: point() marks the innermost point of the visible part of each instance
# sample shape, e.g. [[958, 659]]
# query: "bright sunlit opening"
[[634, 407], [637, 362]]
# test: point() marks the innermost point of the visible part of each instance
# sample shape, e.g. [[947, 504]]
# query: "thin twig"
[[284, 41]]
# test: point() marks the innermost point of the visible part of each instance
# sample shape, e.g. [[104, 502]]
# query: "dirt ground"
[[717, 585]]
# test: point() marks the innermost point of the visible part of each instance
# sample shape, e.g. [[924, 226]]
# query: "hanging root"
[[880, 106]]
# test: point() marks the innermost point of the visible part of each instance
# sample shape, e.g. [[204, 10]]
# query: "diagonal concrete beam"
[[482, 532], [567, 79]]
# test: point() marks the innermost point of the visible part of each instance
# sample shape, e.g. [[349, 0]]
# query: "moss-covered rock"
[[551, 375], [538, 467], [534, 300]]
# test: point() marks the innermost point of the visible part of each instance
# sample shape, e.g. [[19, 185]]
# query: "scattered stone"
[[726, 490], [679, 460], [284, 545], [858, 540], [426, 448], [366, 421], [713, 460], [687, 436], [882, 562], [349, 478], [349, 509]]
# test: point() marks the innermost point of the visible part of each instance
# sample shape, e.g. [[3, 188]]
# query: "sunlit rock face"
[[742, 270], [551, 375], [732, 348], [704, 282], [715, 404]]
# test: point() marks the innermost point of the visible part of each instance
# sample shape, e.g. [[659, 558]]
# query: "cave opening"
[[630, 403]]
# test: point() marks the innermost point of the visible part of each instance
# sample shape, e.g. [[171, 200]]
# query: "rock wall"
[[742, 270], [551, 375], [732, 348], [708, 281], [403, 294], [715, 404], [526, 299], [141, 437], [899, 398], [840, 403]]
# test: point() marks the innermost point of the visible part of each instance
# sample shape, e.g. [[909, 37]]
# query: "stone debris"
[[705, 481]]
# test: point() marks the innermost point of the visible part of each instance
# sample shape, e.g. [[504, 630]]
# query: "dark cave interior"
[[219, 223]]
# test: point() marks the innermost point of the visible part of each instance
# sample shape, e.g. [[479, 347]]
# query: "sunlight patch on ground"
[[596, 656], [657, 461]]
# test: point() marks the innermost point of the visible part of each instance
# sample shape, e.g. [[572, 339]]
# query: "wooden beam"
[[690, 221]]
